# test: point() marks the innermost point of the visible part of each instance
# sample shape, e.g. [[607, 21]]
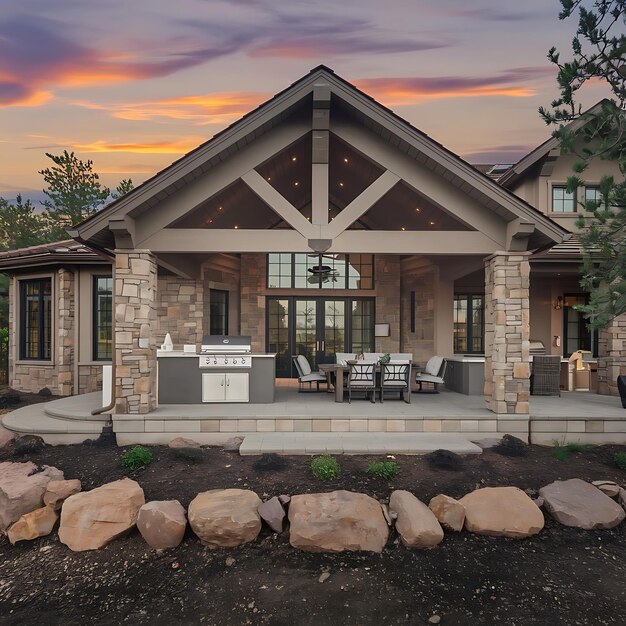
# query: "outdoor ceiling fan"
[[323, 272]]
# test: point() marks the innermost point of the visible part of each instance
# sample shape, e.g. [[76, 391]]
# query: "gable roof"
[[518, 170], [58, 252], [375, 116]]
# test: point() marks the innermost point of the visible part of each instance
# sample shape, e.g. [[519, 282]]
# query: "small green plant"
[[620, 460], [562, 451], [384, 469], [136, 457], [325, 467]]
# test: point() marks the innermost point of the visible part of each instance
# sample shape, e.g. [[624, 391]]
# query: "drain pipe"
[[111, 405]]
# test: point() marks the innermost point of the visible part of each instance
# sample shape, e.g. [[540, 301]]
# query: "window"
[[562, 200], [218, 312], [36, 319], [469, 323], [320, 271], [592, 194], [102, 317]]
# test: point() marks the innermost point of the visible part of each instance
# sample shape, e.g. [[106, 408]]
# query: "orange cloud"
[[179, 146], [216, 108]]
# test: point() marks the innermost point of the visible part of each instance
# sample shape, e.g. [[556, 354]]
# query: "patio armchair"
[[433, 373], [307, 375], [396, 376], [545, 377], [362, 377]]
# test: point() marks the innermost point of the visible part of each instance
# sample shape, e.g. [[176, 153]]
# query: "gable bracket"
[[517, 233], [123, 229]]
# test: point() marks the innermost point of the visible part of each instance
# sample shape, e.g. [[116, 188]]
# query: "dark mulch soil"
[[561, 576], [11, 400]]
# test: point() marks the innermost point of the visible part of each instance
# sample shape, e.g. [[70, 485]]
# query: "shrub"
[[383, 469], [325, 467], [270, 462], [136, 457], [444, 459], [189, 455], [620, 460], [511, 446]]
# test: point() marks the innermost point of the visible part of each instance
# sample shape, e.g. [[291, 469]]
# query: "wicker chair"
[[396, 377], [362, 377], [546, 376]]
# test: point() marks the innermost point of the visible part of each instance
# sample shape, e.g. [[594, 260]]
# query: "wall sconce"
[[382, 330], [558, 305]]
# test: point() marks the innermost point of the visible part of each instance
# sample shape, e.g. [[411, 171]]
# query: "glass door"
[[278, 334], [332, 335], [306, 340]]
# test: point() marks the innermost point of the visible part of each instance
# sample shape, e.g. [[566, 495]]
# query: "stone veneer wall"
[[507, 365], [179, 310], [420, 277], [135, 331], [612, 355], [387, 285], [89, 378], [66, 351]]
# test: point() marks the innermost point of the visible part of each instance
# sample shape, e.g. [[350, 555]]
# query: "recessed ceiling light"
[[294, 159], [296, 184], [341, 184], [431, 223], [417, 209], [269, 178], [219, 208], [345, 160], [403, 228], [236, 227]]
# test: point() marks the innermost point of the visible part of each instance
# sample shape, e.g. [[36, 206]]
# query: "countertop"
[[180, 354]]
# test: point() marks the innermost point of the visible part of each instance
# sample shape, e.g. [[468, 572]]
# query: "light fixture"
[[431, 223], [345, 159], [294, 159], [403, 228], [382, 330], [269, 178], [296, 183], [236, 227], [341, 184], [417, 209], [219, 208], [558, 305]]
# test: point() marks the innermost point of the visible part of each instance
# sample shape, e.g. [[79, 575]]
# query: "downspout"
[[76, 328], [111, 405]]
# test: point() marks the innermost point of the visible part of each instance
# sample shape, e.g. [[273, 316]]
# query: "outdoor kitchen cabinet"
[[228, 387]]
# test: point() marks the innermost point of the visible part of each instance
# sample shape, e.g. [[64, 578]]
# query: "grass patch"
[[384, 469], [620, 460], [325, 467], [563, 451], [136, 457]]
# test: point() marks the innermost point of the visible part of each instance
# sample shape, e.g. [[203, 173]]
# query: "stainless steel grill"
[[225, 351]]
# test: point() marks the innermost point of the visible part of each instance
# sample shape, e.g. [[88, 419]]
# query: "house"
[[303, 225]]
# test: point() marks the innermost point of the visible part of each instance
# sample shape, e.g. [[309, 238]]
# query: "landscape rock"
[[91, 519], [501, 512], [337, 521], [273, 514], [621, 498], [10, 399], [37, 523], [183, 442], [224, 518], [28, 444], [607, 487], [6, 436], [449, 512], [577, 503], [284, 499], [22, 489], [416, 523], [57, 491], [233, 444], [162, 523]]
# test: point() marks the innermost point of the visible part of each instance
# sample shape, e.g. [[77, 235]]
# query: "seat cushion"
[[427, 378], [314, 376], [304, 364], [434, 365]]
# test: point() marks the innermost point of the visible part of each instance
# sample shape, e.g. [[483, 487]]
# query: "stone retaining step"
[[355, 443]]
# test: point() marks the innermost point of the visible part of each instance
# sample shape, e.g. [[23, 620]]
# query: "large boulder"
[[577, 503], [501, 512], [273, 514], [416, 524], [224, 518], [89, 520], [449, 512], [57, 491], [22, 489], [162, 523], [337, 521], [37, 523], [6, 436]]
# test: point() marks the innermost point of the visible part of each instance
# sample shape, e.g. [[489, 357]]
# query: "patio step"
[[355, 443]]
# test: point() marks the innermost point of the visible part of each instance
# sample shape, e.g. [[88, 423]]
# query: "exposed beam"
[[360, 205], [197, 191], [517, 234], [278, 203], [549, 162], [183, 265], [319, 154], [123, 229]]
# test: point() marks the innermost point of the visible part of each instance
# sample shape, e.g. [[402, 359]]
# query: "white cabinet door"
[[213, 387], [237, 387]]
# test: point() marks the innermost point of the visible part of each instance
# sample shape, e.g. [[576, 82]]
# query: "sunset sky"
[[135, 84]]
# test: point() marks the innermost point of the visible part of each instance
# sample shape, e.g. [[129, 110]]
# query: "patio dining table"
[[328, 369]]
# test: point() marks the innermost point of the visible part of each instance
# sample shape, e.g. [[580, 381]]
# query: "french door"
[[317, 328]]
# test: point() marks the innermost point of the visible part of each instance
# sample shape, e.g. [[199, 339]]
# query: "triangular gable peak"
[[324, 167]]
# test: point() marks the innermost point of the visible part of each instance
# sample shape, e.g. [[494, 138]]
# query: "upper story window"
[[36, 319], [320, 271], [562, 200], [102, 317], [592, 195]]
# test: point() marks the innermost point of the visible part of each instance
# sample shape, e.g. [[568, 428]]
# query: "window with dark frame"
[[218, 312], [593, 195], [102, 318], [562, 200], [320, 271], [469, 324], [36, 319]]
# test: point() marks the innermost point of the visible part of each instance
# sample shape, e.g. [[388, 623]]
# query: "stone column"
[[507, 364], [135, 331], [611, 355], [65, 344]]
